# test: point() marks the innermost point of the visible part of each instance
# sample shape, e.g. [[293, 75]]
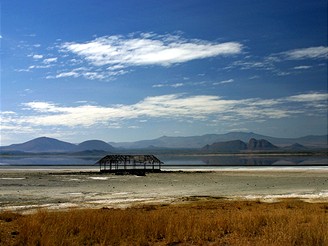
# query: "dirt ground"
[[26, 190]]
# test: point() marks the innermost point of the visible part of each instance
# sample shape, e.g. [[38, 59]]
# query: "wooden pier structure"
[[121, 164]]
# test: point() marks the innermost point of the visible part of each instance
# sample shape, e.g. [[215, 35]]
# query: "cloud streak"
[[272, 61], [176, 85], [148, 49], [307, 53], [173, 106], [228, 81], [105, 58]]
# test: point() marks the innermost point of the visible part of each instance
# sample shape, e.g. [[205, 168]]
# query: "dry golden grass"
[[198, 222]]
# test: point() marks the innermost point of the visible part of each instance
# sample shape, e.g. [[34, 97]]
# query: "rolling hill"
[[45, 144], [94, 145], [262, 144], [42, 144]]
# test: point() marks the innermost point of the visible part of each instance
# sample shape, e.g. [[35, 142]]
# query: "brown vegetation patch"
[[202, 221]]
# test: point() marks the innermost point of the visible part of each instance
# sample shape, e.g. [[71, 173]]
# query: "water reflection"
[[176, 160], [247, 160], [49, 160]]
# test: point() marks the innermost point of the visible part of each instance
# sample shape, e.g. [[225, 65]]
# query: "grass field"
[[194, 221]]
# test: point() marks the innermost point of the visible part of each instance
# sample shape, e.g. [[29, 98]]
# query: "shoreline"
[[170, 168]]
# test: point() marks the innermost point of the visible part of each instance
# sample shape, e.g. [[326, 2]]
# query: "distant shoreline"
[[186, 168]]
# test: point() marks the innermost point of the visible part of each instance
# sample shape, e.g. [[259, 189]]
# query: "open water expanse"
[[175, 161]]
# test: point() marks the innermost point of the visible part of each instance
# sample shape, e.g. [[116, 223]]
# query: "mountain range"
[[200, 141], [233, 141]]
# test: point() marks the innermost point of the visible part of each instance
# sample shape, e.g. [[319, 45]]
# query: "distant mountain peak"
[[261, 144], [94, 145], [296, 146], [228, 146], [41, 144], [238, 145]]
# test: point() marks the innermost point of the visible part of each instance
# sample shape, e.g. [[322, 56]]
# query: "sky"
[[127, 70]]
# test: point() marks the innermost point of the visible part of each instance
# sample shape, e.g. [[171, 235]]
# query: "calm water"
[[174, 161]]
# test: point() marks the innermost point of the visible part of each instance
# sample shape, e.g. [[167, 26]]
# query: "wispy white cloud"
[[36, 56], [86, 73], [251, 63], [272, 61], [50, 60], [159, 85], [309, 97], [173, 106], [224, 82], [66, 74], [105, 58], [148, 49], [183, 84], [302, 67], [307, 53], [176, 85], [116, 67]]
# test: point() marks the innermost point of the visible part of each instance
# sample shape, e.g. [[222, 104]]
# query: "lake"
[[174, 161]]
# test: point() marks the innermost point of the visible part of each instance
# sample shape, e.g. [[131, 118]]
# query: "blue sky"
[[129, 70]]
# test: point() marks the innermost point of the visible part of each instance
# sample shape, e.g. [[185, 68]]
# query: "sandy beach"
[[26, 190]]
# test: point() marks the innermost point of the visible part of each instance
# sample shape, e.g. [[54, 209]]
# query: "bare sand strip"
[[27, 190]]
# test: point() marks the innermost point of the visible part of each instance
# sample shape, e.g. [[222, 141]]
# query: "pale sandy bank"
[[30, 189]]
